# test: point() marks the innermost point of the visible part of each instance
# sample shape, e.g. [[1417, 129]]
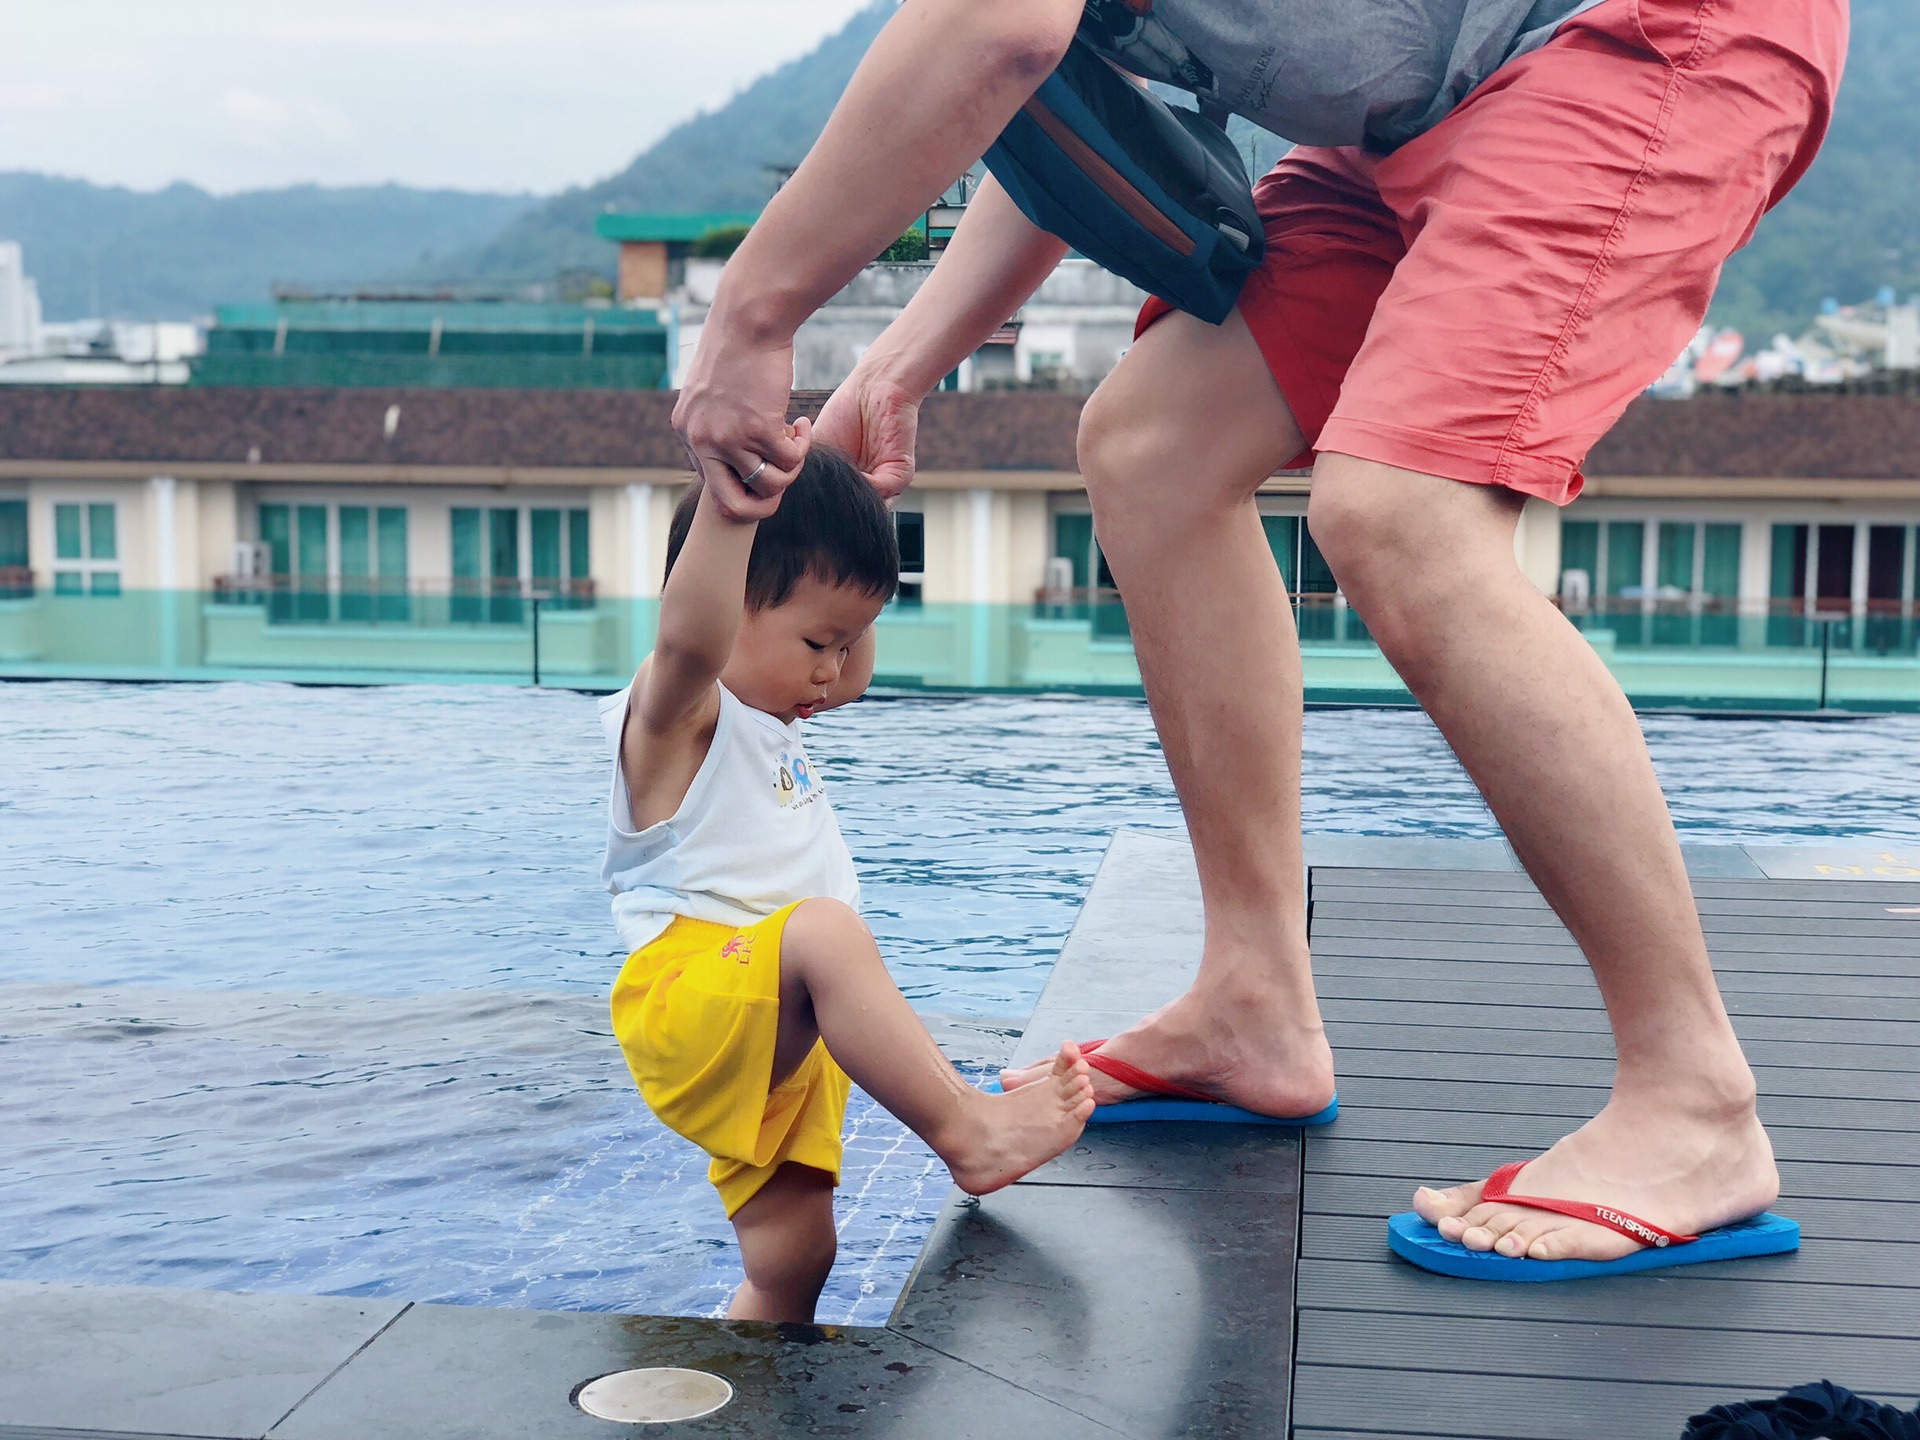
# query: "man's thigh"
[[1566, 226], [1189, 402]]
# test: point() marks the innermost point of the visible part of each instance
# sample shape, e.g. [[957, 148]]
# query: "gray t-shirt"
[[1326, 72]]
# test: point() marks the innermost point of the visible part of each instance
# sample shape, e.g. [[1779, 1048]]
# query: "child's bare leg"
[[787, 1245], [834, 985]]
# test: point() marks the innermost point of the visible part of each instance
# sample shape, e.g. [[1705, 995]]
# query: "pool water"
[[304, 988]]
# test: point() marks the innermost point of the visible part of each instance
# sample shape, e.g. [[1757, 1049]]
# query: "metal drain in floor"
[[653, 1396]]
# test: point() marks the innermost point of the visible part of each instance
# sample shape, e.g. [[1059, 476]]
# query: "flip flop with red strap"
[[1164, 1100], [1414, 1240]]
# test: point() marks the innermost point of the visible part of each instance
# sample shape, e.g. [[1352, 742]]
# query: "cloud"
[[474, 94], [271, 122]]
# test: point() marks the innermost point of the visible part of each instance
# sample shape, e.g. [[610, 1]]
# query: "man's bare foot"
[[1687, 1172], [1262, 1056], [999, 1138]]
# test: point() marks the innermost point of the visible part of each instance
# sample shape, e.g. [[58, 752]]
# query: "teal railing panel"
[[368, 630]]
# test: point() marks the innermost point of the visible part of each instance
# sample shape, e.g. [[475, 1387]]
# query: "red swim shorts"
[[1483, 302]]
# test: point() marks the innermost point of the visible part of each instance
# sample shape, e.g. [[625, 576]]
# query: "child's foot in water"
[[998, 1138]]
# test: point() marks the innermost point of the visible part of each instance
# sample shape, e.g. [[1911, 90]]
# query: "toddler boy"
[[753, 990]]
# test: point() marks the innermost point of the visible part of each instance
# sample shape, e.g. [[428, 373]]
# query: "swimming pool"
[[304, 987]]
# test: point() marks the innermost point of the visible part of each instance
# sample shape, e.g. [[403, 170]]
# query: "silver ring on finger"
[[753, 475]]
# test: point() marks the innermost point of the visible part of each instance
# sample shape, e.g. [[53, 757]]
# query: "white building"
[[19, 304]]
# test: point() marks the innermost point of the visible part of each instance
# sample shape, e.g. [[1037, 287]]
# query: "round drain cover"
[[651, 1397]]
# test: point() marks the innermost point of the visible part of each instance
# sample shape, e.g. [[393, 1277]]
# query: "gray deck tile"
[[1441, 1406], [1157, 1312], [182, 1362], [450, 1372], [1730, 1299], [1263, 1158], [1415, 1040]]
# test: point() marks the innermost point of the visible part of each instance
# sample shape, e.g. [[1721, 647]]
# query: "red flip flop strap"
[[1134, 1076], [1496, 1192]]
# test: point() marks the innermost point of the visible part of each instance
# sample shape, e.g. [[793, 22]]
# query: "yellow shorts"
[[697, 1013]]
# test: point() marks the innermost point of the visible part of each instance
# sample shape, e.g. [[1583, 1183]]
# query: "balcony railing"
[[371, 600], [1873, 627]]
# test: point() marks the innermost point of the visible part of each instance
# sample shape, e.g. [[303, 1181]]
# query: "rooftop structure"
[[654, 245], [435, 344]]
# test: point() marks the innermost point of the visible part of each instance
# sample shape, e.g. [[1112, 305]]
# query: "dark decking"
[[1207, 1281], [1469, 1033]]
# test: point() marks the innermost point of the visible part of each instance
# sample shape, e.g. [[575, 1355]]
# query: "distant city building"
[[435, 344], [19, 304], [1067, 337]]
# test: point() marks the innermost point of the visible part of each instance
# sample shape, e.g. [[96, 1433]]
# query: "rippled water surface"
[[304, 986]]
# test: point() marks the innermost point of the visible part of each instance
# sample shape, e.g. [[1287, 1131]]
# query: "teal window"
[[356, 563], [392, 527], [1788, 577], [276, 533], [1073, 541], [557, 550], [103, 543], [16, 580], [543, 540], [311, 598], [579, 560], [1787, 585], [66, 533], [503, 554], [1673, 566], [1720, 562], [1626, 546], [86, 549], [1580, 550], [356, 547], [1283, 539], [468, 579]]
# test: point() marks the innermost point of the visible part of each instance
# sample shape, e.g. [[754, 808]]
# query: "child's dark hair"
[[831, 525]]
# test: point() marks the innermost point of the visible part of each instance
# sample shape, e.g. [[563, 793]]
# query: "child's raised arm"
[[700, 612]]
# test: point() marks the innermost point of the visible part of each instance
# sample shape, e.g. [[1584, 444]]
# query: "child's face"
[[789, 660]]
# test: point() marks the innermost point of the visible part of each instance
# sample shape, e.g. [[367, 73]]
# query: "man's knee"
[[1116, 445], [1353, 519]]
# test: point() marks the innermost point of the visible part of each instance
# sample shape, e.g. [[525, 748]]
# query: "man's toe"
[[1433, 1205]]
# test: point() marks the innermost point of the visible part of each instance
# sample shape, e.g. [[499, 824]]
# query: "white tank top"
[[754, 833]]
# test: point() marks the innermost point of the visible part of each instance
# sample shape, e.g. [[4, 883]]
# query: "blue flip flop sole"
[[1178, 1111], [1418, 1243], [1173, 1108]]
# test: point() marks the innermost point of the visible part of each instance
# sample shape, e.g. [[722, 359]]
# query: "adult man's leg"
[[1173, 447], [1551, 741]]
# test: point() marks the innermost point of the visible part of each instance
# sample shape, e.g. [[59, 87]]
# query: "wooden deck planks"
[[1469, 1034]]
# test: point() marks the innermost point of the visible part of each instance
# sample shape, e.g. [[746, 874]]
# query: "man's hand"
[[731, 416], [876, 422]]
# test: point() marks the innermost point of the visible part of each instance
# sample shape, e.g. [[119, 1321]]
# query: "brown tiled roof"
[[1789, 436], [1811, 436], [530, 428]]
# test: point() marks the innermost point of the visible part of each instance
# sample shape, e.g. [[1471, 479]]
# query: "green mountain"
[[1853, 224], [716, 161], [1850, 226], [176, 253]]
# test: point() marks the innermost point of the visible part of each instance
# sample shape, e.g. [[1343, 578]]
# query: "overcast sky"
[[472, 94]]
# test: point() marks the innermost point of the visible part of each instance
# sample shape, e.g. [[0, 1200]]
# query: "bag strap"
[[1214, 113]]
